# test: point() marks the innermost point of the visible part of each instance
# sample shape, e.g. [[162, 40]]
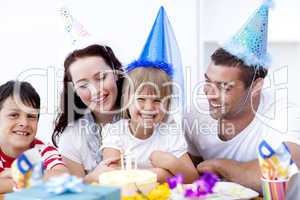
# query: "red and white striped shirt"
[[49, 154]]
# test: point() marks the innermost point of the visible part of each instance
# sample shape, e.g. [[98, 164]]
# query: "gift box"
[[88, 193]]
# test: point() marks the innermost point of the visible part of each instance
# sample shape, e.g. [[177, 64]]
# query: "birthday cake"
[[130, 180]]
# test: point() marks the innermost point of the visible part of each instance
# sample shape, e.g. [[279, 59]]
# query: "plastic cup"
[[274, 189]]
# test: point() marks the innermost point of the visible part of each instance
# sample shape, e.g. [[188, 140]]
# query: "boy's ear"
[[257, 86]]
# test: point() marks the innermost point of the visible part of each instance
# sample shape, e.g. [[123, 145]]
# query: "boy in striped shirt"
[[19, 114]]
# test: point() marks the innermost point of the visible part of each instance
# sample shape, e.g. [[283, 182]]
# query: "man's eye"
[[225, 87], [222, 87], [140, 99]]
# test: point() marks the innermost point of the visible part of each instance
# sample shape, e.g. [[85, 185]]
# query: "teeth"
[[99, 99], [23, 133], [215, 105], [147, 116]]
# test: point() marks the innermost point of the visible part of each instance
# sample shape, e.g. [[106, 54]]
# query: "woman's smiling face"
[[95, 83]]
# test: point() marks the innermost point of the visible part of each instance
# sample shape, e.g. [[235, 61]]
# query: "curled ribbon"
[[64, 184]]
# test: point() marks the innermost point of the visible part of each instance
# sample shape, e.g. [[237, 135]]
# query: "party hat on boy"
[[161, 51], [250, 42]]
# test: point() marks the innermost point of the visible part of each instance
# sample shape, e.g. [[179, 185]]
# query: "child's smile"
[[147, 110], [22, 133], [147, 119], [17, 126]]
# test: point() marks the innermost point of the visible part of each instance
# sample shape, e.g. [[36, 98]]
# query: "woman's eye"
[[83, 86], [157, 101], [101, 77]]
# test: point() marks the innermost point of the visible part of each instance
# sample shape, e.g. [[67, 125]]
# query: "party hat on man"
[[250, 42]]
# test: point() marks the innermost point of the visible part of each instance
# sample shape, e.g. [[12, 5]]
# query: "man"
[[293, 189], [240, 111]]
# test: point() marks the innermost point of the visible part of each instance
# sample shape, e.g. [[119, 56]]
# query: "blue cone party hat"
[[250, 42], [161, 51]]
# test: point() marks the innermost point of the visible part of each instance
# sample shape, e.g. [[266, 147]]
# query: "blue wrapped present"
[[65, 187], [88, 193]]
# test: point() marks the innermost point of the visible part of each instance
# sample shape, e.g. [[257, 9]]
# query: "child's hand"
[[107, 165], [162, 159], [162, 174], [6, 173], [104, 166]]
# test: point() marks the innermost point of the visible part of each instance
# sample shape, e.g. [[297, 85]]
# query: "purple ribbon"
[[203, 186], [174, 181]]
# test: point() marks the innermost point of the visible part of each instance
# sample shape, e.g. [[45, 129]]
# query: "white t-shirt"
[[167, 138], [272, 120], [76, 140]]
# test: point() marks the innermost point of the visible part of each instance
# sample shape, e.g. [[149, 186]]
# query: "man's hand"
[[161, 159], [209, 166], [244, 173]]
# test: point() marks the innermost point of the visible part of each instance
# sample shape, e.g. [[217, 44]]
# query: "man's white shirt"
[[275, 119]]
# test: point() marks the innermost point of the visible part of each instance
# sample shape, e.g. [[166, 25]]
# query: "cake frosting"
[[129, 180]]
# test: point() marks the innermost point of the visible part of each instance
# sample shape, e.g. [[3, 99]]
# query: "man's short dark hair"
[[248, 73]]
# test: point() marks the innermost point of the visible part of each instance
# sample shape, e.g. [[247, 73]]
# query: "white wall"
[[224, 17]]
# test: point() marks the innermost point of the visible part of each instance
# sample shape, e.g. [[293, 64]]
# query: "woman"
[[90, 99]]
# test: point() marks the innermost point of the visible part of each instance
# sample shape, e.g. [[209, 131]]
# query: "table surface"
[[258, 198]]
